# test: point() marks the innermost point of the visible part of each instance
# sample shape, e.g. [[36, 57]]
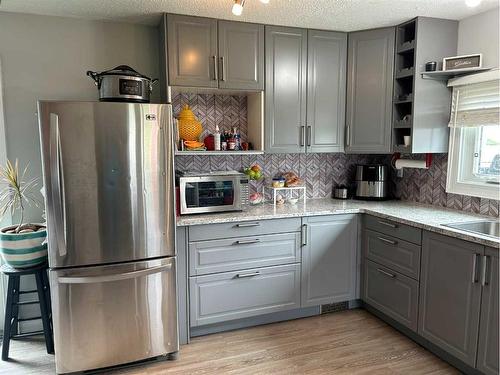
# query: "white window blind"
[[476, 104]]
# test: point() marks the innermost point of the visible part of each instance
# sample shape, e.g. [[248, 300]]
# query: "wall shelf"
[[444, 75], [207, 153]]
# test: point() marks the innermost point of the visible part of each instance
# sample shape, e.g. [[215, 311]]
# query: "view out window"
[[474, 158]]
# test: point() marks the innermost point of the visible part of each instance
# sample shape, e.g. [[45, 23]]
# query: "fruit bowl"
[[254, 172]]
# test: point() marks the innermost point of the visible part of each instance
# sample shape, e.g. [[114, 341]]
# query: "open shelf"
[[447, 74], [205, 153]]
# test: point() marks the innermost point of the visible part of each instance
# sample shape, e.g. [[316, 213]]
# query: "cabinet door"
[[192, 51], [487, 356], [450, 295], [326, 87], [369, 91], [286, 69], [241, 56], [329, 260]]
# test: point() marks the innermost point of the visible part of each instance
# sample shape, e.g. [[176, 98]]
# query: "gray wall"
[[47, 57], [480, 34]]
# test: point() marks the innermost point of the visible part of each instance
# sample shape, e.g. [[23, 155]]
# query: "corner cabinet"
[[370, 69], [305, 90], [204, 52], [329, 259]]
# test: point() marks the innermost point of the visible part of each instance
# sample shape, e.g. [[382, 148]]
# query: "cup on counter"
[[407, 140]]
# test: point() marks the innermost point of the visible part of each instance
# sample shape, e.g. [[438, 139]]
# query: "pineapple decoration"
[[190, 128]]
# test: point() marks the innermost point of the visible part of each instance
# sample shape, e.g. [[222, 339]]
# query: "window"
[[474, 157]]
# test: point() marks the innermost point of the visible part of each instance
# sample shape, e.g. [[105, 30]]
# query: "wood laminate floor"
[[348, 342]]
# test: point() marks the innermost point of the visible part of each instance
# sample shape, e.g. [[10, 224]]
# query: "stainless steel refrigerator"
[[109, 192]]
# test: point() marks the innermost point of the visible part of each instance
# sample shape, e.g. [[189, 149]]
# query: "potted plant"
[[21, 245]]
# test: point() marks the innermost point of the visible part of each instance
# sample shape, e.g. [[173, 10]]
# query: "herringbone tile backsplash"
[[320, 172]]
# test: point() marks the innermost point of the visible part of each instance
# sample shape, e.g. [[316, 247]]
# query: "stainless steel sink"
[[485, 227]]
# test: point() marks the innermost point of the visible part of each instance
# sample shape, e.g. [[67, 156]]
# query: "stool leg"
[[46, 283], [45, 314], [8, 318], [15, 306]]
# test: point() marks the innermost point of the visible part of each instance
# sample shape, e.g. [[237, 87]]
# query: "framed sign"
[[463, 62]]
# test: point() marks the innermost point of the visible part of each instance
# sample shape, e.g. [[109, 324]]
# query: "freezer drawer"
[[235, 295], [111, 315]]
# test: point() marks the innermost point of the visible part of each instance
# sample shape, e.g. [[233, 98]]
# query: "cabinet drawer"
[[392, 293], [239, 253], [399, 255], [392, 228], [240, 229], [235, 295]]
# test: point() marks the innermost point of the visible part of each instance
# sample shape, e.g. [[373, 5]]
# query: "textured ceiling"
[[341, 15]]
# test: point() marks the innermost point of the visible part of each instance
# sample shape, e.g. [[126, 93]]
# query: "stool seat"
[[11, 324], [8, 270]]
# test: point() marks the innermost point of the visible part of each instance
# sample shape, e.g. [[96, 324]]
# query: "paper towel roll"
[[406, 163]]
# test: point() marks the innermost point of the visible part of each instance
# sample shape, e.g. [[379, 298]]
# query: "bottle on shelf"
[[217, 139], [237, 139]]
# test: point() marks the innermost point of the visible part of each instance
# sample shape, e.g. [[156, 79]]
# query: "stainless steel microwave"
[[202, 192]]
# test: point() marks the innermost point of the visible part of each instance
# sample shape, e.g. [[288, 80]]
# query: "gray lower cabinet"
[[390, 292], [369, 91], [326, 88], [329, 259], [241, 294], [243, 252], [487, 356], [450, 295], [241, 56], [192, 51], [285, 99]]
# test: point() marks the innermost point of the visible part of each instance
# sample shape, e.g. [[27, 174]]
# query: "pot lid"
[[124, 70]]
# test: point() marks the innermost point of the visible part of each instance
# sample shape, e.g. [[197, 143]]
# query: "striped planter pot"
[[24, 249]]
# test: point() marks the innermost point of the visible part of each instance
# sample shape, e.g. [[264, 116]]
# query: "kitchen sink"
[[485, 227]]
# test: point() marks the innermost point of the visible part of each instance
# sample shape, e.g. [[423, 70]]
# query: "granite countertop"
[[415, 214]]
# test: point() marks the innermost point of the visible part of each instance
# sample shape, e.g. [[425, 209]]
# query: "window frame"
[[453, 184]]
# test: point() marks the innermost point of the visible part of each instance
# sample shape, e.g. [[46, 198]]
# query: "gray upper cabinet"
[[285, 99], [487, 356], [241, 56], [326, 87], [192, 51], [370, 68], [329, 257], [204, 52], [450, 295]]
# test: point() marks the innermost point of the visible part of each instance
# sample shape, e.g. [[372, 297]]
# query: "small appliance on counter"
[[215, 191], [371, 182], [340, 192]]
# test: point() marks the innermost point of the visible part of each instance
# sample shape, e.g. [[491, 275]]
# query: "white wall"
[[47, 58], [480, 34]]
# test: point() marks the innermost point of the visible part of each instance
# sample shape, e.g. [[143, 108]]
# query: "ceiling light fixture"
[[472, 3], [238, 6]]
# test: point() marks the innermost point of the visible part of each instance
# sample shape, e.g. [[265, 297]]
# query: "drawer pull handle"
[[245, 275], [247, 242], [387, 224], [247, 225], [391, 275], [387, 240]]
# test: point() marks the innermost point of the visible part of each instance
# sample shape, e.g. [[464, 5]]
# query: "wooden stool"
[[11, 326]]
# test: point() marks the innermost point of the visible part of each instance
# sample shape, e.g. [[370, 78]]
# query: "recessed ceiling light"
[[472, 3], [264, 1]]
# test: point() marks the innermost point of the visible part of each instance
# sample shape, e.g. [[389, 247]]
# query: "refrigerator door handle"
[[57, 182], [113, 277]]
